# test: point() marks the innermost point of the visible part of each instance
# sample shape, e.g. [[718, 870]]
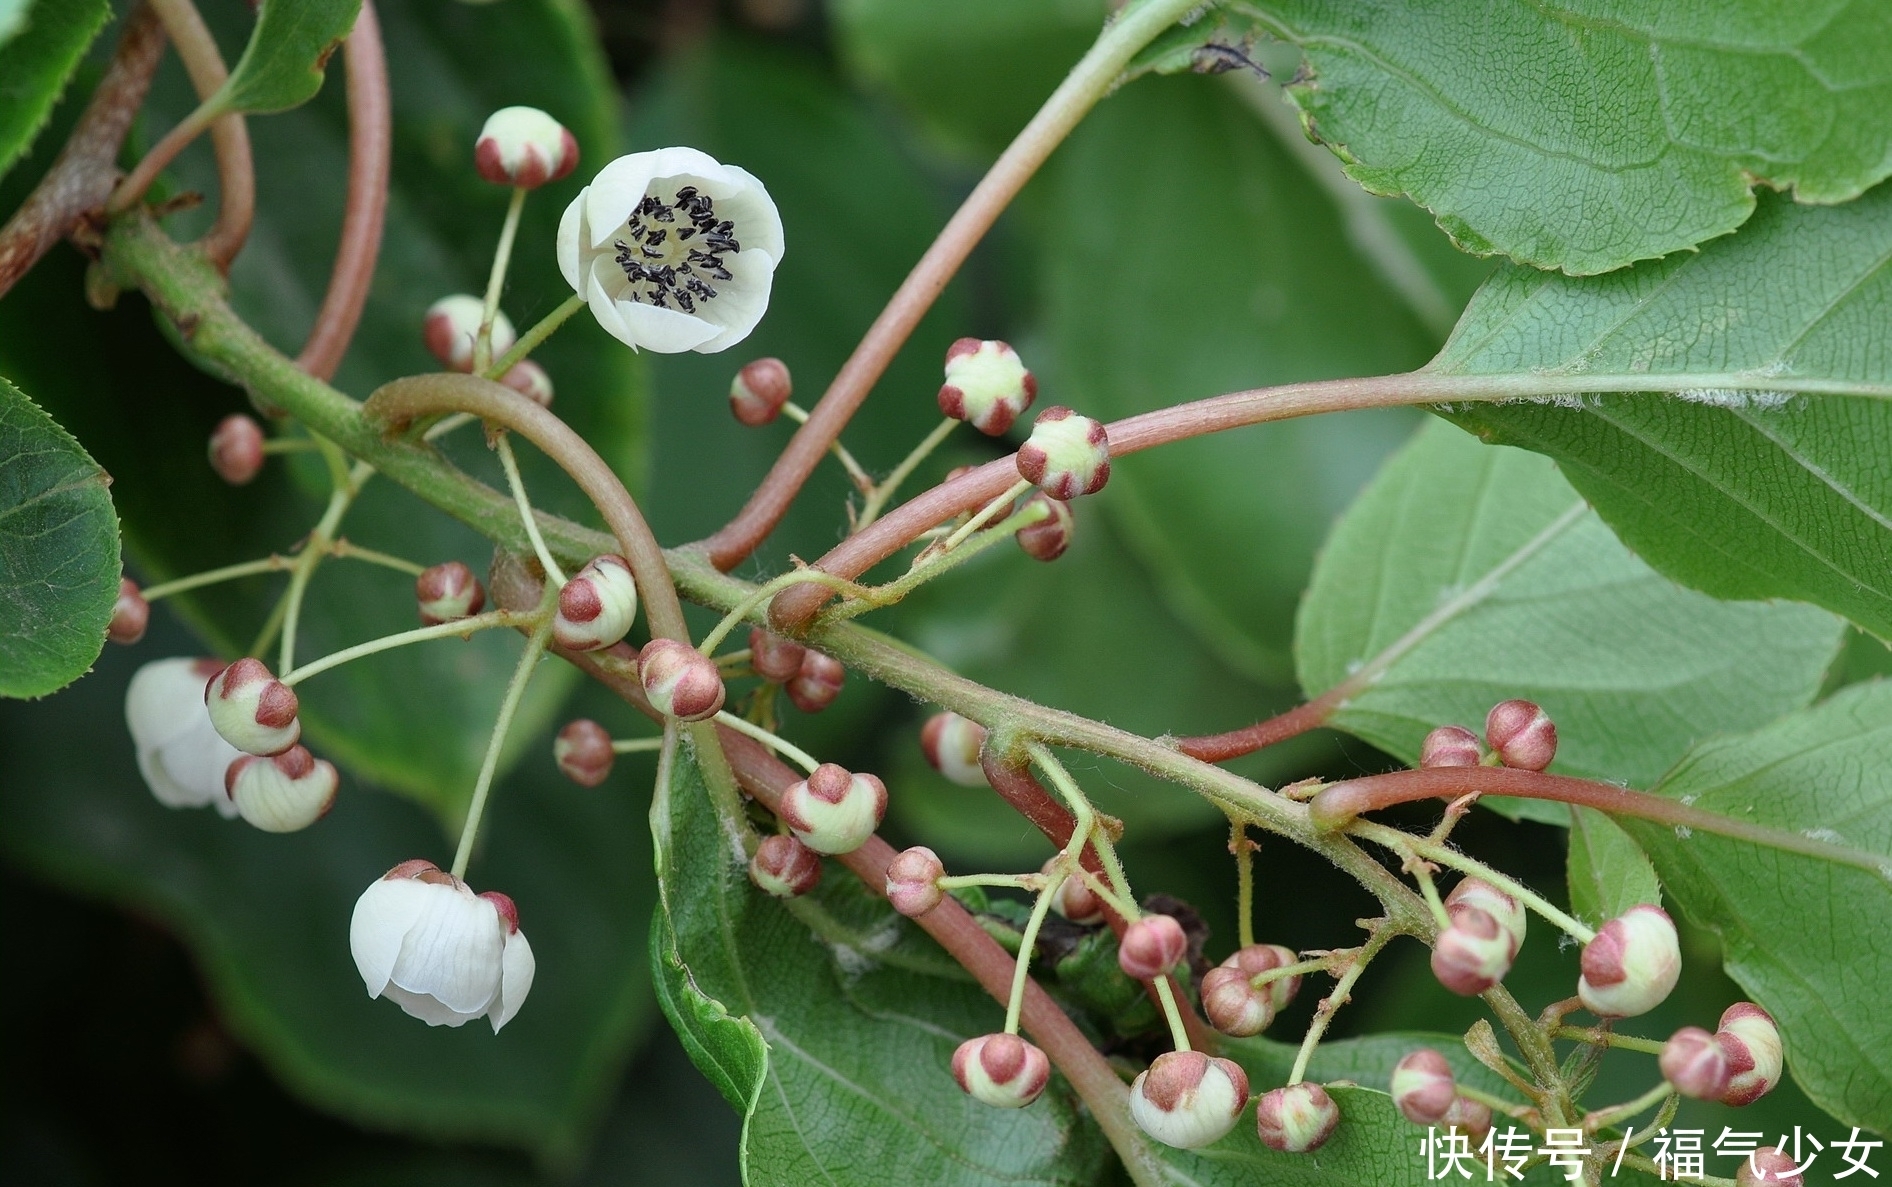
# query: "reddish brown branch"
[[86, 170], [369, 137], [1262, 734]]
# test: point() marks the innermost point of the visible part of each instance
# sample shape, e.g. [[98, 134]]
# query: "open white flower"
[[673, 250], [180, 753], [424, 940]]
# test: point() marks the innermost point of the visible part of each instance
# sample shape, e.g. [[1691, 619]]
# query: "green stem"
[[941, 562], [763, 593], [496, 280], [1244, 883], [1025, 945], [856, 473], [636, 745], [1330, 1005], [346, 550], [1604, 1118], [794, 753], [1662, 1172], [1497, 1103], [884, 489], [1178, 1033], [1031, 882], [1609, 1039], [269, 564], [290, 445], [459, 628], [988, 511], [510, 464], [1398, 841], [508, 708], [347, 484], [530, 340]]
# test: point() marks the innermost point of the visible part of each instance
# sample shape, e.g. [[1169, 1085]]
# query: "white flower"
[[673, 250], [180, 753], [424, 940]]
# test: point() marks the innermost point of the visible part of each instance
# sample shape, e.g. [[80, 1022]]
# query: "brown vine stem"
[[1337, 806], [1263, 734], [1089, 81], [369, 138], [82, 176]]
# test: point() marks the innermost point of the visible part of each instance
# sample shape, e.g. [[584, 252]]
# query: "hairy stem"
[[457, 629], [508, 709], [1445, 855], [880, 492], [1342, 993], [530, 340], [510, 464], [496, 280]]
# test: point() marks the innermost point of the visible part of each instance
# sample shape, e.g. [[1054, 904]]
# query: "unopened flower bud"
[[1508, 911], [524, 147], [1631, 965], [251, 709], [1755, 1056], [1067, 455], [130, 614], [951, 744], [583, 752], [1473, 954], [1522, 735], [1074, 899], [1769, 1167], [529, 380], [1695, 1064], [1047, 539], [1469, 1117], [1296, 1119], [1187, 1099], [913, 881], [1256, 959], [515, 581], [284, 793], [452, 325], [1232, 1003], [774, 658], [784, 867], [236, 449], [1450, 746], [597, 606], [680, 681], [424, 940], [1001, 1070], [1151, 947], [987, 385], [817, 684], [759, 390], [447, 592], [1423, 1087], [833, 810]]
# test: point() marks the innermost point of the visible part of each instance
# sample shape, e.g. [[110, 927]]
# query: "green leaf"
[[58, 552], [39, 50], [1587, 136], [283, 64], [1744, 494], [1466, 575], [1608, 872], [1805, 937], [830, 1024]]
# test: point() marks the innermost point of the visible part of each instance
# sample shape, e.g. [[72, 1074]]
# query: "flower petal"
[[754, 212], [741, 302], [427, 1008], [571, 229], [452, 951], [195, 762], [383, 914], [666, 331], [516, 970], [159, 701]]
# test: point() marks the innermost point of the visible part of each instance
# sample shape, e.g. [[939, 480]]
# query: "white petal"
[[158, 702], [758, 222], [427, 1008], [195, 761], [600, 295], [666, 331], [740, 303], [571, 227], [453, 950], [615, 192], [515, 980], [383, 914]]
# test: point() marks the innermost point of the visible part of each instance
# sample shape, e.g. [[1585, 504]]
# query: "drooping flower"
[[180, 753], [673, 250], [422, 939]]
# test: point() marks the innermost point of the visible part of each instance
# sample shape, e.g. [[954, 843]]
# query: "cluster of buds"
[[597, 606], [834, 810], [1518, 732], [952, 744], [774, 658], [987, 385], [811, 680], [1232, 999], [1737, 1065], [424, 940], [1632, 964], [1067, 455], [680, 681], [1478, 948]]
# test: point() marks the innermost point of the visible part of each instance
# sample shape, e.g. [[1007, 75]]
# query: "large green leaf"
[[1466, 575], [831, 1027], [40, 47], [283, 64], [58, 552], [1586, 135], [1807, 938], [1742, 494]]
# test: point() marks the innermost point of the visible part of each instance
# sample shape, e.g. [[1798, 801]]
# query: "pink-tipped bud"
[[1755, 1055], [1233, 1005], [524, 147], [1296, 1119], [1508, 911], [759, 390], [951, 744], [1469, 1117], [1074, 899], [1521, 734], [1047, 539], [1769, 1167], [448, 592], [680, 681], [1001, 1070], [784, 867], [833, 810], [529, 380], [1473, 954], [130, 614], [236, 449], [251, 709], [1423, 1087], [1151, 947], [452, 325], [987, 385], [1067, 455], [597, 606], [818, 683], [774, 658], [913, 881], [1696, 1064], [1631, 965], [1257, 959], [1188, 1100], [1450, 746], [282, 793], [583, 752]]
